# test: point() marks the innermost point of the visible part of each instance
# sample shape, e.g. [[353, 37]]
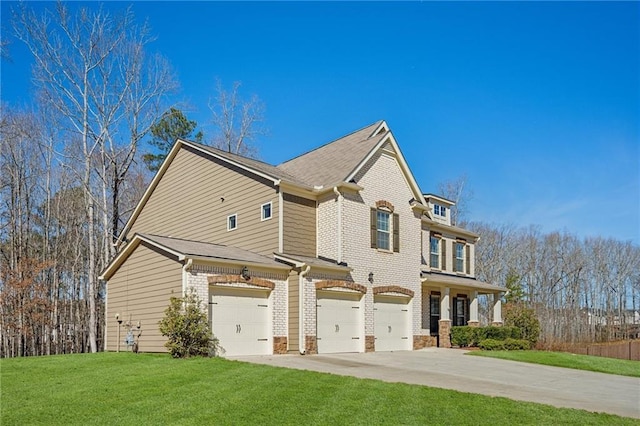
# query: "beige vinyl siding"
[[196, 195], [294, 312], [299, 223], [140, 291]]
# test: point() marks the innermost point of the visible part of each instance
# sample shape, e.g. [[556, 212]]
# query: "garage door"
[[240, 320], [339, 322], [392, 323]]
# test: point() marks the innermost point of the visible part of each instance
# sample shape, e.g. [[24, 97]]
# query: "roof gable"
[[331, 163]]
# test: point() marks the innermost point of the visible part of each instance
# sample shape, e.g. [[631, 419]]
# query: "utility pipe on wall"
[[303, 272], [339, 232]]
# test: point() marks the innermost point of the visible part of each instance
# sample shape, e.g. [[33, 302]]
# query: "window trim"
[[459, 261], [235, 216], [262, 216], [437, 252], [388, 231]]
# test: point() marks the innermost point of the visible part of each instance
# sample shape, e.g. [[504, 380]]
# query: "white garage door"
[[392, 323], [339, 322], [240, 320]]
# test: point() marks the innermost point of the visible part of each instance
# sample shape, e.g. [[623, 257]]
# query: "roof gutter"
[[302, 347]]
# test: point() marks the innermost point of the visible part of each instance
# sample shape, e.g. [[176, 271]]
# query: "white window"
[[435, 252], [232, 222], [383, 228], [266, 211], [440, 210], [459, 257]]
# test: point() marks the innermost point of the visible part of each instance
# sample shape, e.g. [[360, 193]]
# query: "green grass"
[[621, 367], [110, 388]]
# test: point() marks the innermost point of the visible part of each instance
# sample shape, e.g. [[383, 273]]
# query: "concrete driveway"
[[451, 369]]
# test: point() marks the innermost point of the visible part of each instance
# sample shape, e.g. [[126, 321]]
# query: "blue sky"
[[537, 103]]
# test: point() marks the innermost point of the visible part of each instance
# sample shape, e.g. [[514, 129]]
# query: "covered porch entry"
[[452, 300]]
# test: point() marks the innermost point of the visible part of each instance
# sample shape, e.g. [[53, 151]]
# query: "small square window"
[[266, 211], [232, 222]]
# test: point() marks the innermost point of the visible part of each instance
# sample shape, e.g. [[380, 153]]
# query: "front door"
[[434, 310]]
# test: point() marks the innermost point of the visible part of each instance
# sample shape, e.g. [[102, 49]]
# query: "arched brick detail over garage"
[[393, 289], [233, 279], [321, 285]]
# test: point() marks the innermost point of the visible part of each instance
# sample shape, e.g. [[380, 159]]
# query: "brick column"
[[444, 326], [311, 345]]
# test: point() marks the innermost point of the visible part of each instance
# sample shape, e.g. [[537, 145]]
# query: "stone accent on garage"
[[369, 343], [421, 342], [279, 345], [390, 289], [332, 284], [310, 345]]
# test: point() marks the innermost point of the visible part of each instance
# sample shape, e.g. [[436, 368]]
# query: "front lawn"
[[599, 364], [124, 388]]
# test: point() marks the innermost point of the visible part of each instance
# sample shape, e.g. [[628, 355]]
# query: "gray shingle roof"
[[251, 163], [334, 161], [214, 251], [312, 261]]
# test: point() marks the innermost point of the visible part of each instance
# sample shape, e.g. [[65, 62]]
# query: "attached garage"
[[240, 320], [339, 322], [392, 323]]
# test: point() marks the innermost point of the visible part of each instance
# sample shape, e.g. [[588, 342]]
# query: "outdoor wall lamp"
[[245, 273], [371, 277]]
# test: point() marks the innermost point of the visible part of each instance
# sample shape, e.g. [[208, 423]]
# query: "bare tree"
[[91, 69], [458, 191], [239, 123]]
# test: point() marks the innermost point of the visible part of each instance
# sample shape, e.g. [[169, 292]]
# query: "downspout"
[[339, 233], [185, 268], [303, 272]]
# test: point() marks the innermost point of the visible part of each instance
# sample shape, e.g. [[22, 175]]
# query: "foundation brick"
[[279, 345], [369, 343], [445, 333]]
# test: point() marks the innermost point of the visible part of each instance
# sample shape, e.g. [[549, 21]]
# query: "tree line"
[[581, 289], [72, 166]]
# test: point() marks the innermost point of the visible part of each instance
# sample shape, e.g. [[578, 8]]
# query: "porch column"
[[497, 309], [473, 310], [444, 325]]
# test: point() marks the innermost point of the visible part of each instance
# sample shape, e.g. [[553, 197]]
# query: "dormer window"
[[439, 210]]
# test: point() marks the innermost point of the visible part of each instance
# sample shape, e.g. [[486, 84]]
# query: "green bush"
[[466, 336], [187, 329], [463, 336], [508, 344], [492, 345], [518, 315]]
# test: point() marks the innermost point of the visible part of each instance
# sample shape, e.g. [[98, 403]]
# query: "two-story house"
[[336, 250]]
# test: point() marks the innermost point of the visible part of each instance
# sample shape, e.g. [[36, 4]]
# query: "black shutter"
[[396, 232], [444, 254], [374, 228]]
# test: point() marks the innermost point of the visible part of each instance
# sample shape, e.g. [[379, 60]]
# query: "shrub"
[[492, 345], [508, 344], [463, 336], [187, 329], [518, 315]]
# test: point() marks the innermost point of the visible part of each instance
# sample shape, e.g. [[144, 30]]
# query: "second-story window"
[[459, 260], [385, 227], [435, 252], [266, 211], [439, 210], [232, 222]]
